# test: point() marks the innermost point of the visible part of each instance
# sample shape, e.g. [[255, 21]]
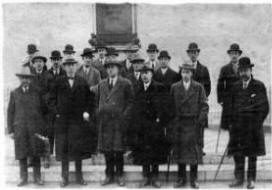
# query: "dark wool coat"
[[167, 79], [157, 65], [190, 109], [124, 70], [100, 67], [226, 80], [92, 77], [25, 118], [150, 145], [250, 108], [113, 114], [75, 138]]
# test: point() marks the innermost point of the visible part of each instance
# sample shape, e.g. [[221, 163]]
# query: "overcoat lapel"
[[114, 88], [187, 95]]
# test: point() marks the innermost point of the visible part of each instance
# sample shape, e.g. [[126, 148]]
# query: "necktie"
[[111, 84], [244, 85]]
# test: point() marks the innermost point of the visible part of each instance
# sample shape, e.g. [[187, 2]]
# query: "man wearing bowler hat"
[[68, 51], [25, 118], [201, 74], [87, 71], [73, 106], [31, 50], [228, 76], [115, 99], [249, 105], [190, 109], [52, 75], [101, 50], [152, 52]]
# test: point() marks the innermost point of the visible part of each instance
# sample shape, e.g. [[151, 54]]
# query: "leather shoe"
[[81, 182], [195, 184], [180, 183], [251, 184], [145, 182], [22, 183], [156, 183], [108, 180], [121, 181], [236, 183], [39, 182], [64, 183]]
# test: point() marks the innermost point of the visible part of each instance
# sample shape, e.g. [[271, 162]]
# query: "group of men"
[[113, 106]]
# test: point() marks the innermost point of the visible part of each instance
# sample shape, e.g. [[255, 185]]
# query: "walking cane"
[[218, 137], [221, 162]]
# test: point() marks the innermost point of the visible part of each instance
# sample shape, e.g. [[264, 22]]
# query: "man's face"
[[146, 76], [234, 56], [152, 55], [70, 69], [101, 52], [25, 81], [38, 64], [164, 61], [245, 73], [87, 61], [137, 65], [193, 55], [186, 74], [112, 70], [56, 63]]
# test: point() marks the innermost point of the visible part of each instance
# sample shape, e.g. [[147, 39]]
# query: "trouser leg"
[[239, 169], [65, 169], [252, 168], [155, 170], [23, 169], [146, 170], [109, 157], [36, 168], [193, 172], [78, 166], [182, 171], [119, 163]]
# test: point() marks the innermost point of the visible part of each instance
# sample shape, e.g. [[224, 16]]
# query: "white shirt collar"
[[137, 74], [163, 70], [186, 84], [247, 82], [113, 80], [86, 69], [146, 85]]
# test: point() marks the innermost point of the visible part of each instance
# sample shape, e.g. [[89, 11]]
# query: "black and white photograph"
[[136, 94]]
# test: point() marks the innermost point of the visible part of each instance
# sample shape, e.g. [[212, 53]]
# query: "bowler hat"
[[164, 54], [87, 52], [193, 47], [68, 49], [25, 72], [152, 48], [111, 51], [69, 61], [235, 47], [55, 55], [146, 68], [112, 61], [39, 56], [137, 58], [132, 48], [244, 62], [31, 48], [100, 46]]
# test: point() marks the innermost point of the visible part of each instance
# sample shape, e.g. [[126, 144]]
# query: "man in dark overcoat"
[[152, 147], [25, 120], [51, 76], [190, 110], [152, 53], [73, 104], [228, 76], [250, 107], [127, 67], [115, 99], [101, 50]]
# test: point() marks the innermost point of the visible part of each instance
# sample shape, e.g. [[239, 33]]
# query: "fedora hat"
[[68, 49], [38, 56], [25, 73], [193, 47], [100, 46], [111, 51], [187, 65], [69, 61], [164, 54], [55, 55], [31, 48], [234, 47], [146, 68], [137, 58], [112, 61], [87, 52], [152, 48], [132, 48], [244, 62]]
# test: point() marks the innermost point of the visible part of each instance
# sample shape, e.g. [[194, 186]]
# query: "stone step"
[[134, 173]]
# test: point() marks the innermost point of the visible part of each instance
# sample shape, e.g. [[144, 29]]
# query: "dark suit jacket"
[[100, 67], [124, 70]]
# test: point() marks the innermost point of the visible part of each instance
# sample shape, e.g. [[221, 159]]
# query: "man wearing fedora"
[[127, 67], [190, 109], [228, 76], [101, 50], [25, 118], [249, 105], [151, 148], [31, 50], [152, 52], [73, 105], [52, 75], [115, 99], [87, 71], [201, 74], [68, 51]]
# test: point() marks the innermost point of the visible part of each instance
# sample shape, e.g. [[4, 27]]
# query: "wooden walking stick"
[[218, 137], [221, 162]]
